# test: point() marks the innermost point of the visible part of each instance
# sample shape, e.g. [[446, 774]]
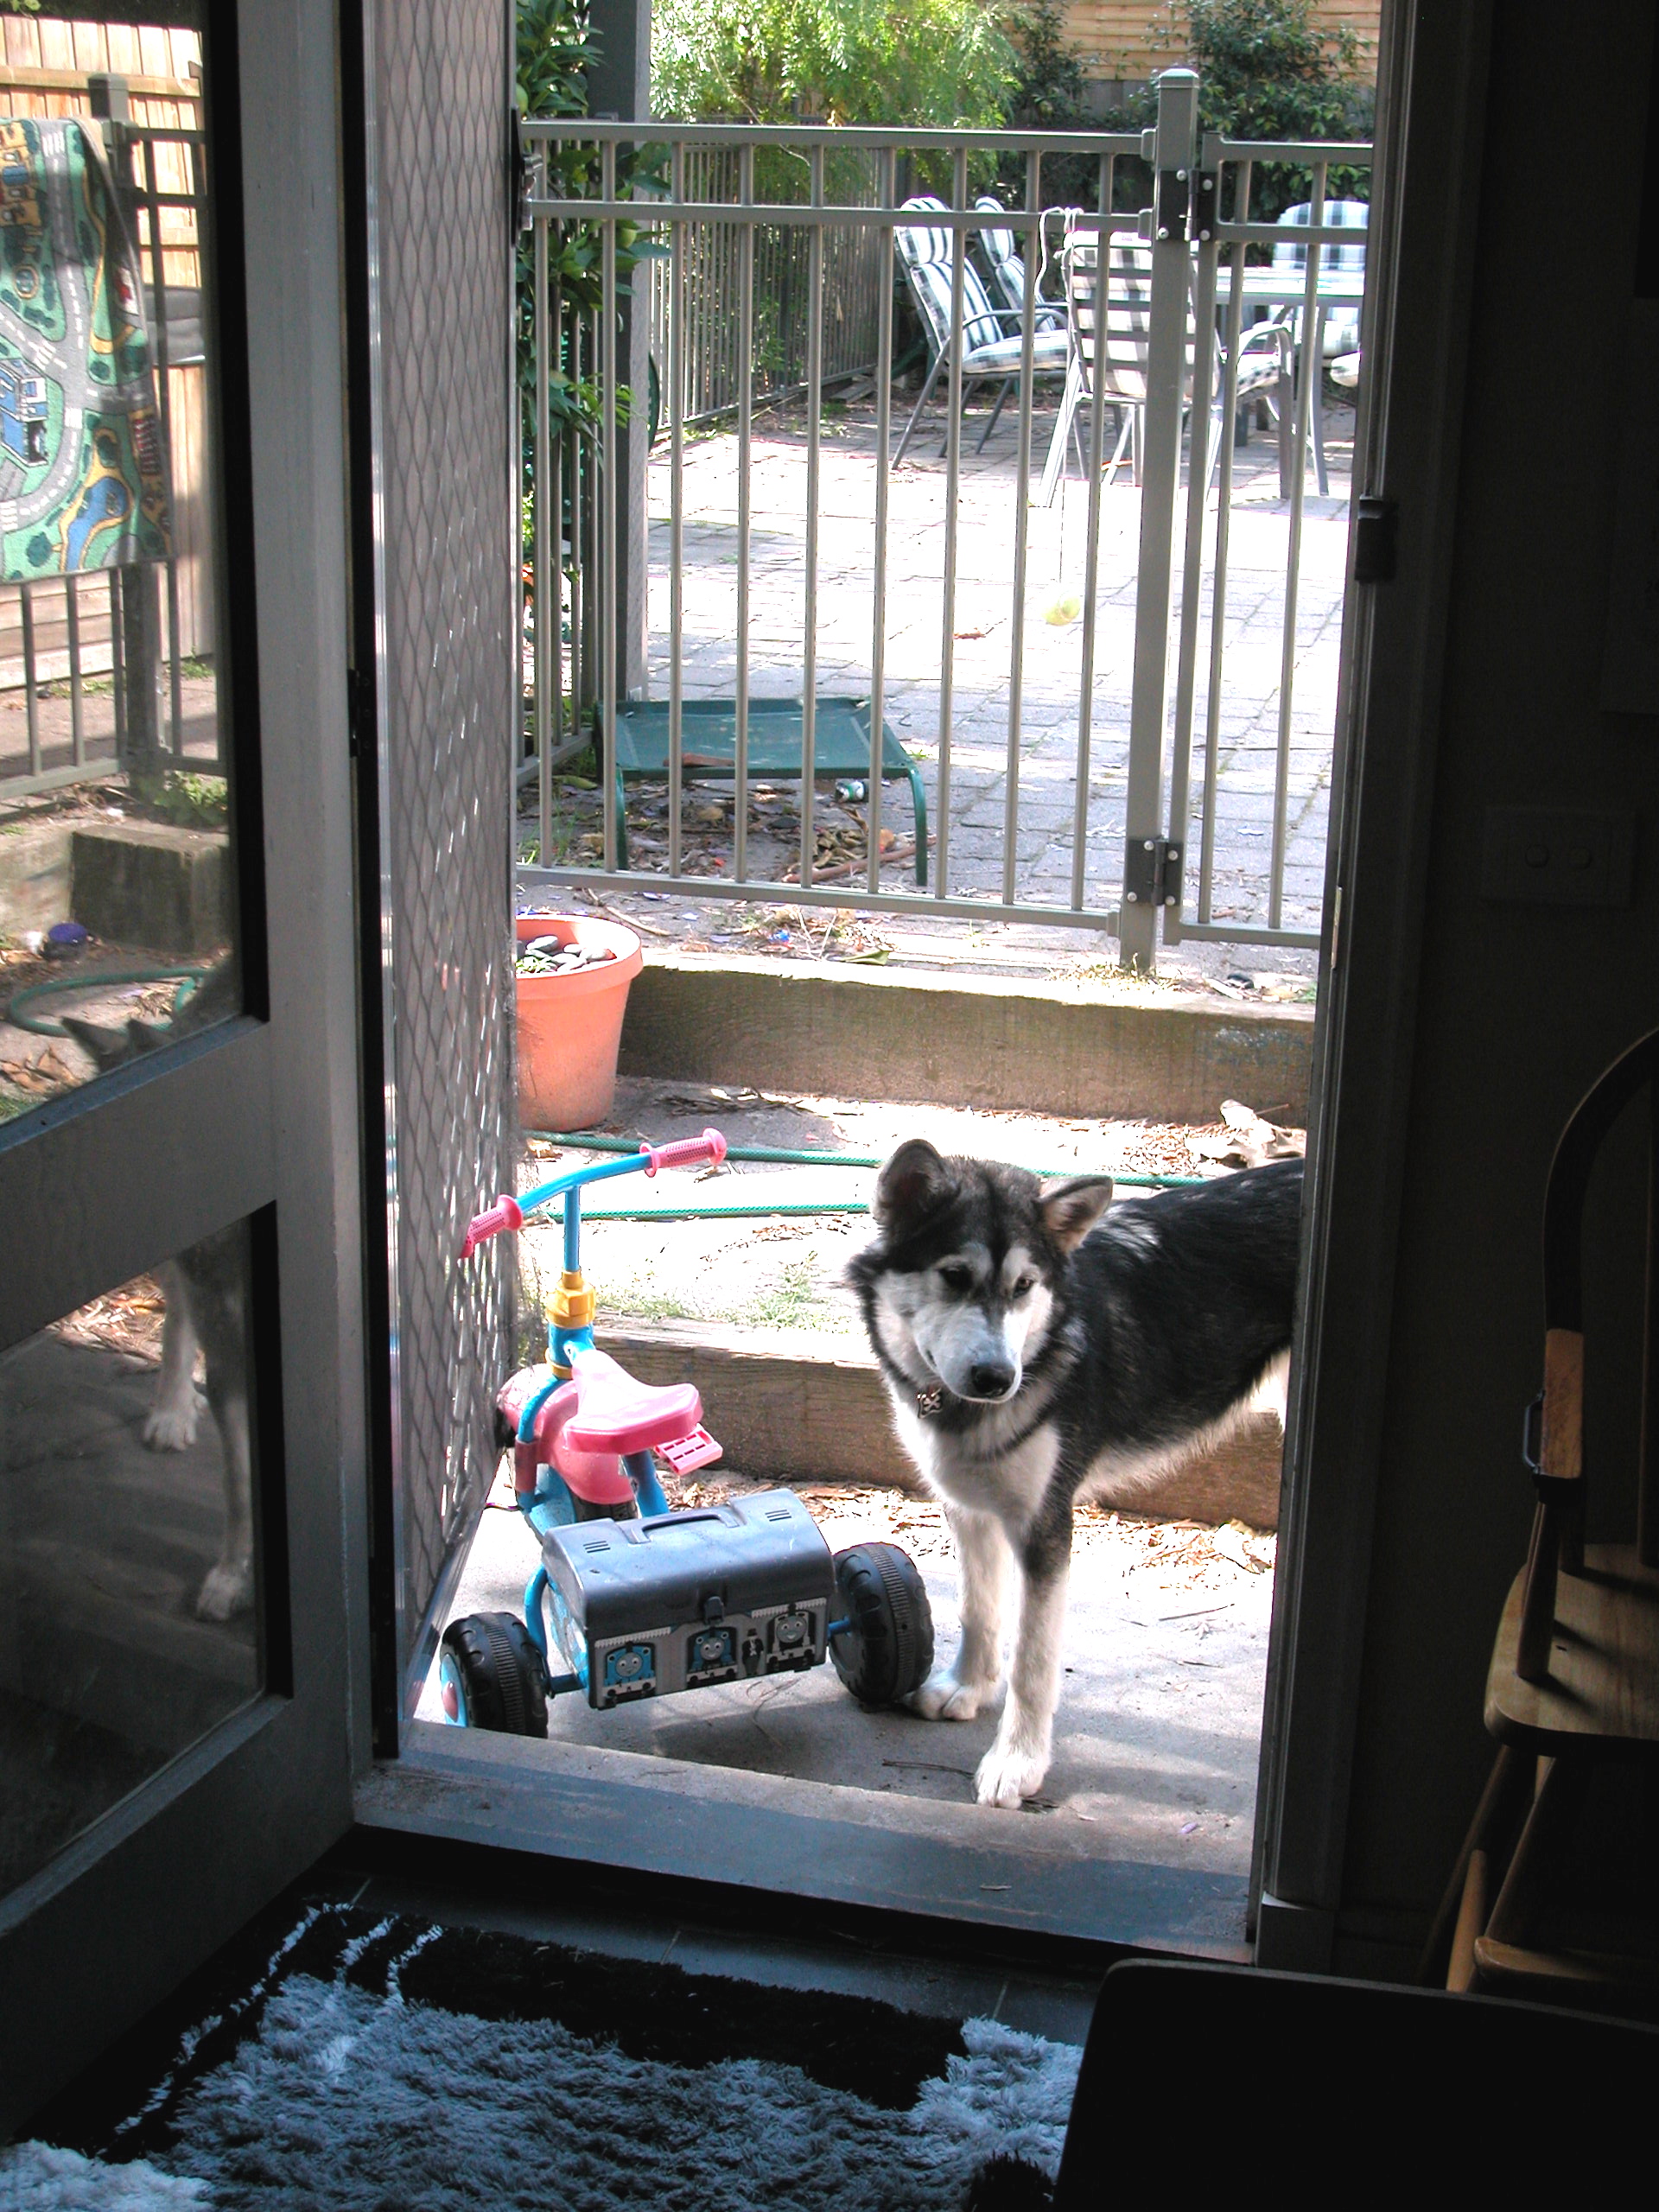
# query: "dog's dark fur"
[[204, 1290], [1034, 1344]]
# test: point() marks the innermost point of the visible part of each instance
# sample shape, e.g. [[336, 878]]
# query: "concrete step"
[[794, 1406], [983, 1041]]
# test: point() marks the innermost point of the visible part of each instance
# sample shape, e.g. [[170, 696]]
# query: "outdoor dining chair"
[[1118, 357], [1339, 333], [992, 342]]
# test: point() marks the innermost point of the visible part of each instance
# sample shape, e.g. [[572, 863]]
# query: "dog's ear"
[[1071, 1209], [914, 1182], [109, 1048]]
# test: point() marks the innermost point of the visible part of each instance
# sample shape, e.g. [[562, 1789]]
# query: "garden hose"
[[781, 1156], [20, 1018]]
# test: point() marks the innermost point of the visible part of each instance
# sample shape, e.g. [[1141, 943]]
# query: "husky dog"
[[1035, 1346], [206, 1298]]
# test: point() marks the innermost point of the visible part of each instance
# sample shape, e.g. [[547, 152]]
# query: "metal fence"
[[719, 261], [1198, 271], [101, 659]]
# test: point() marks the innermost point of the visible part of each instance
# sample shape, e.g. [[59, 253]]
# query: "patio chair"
[[1121, 360], [992, 344], [1341, 332], [1339, 336]]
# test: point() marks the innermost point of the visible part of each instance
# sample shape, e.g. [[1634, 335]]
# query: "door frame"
[[1432, 84], [258, 1117]]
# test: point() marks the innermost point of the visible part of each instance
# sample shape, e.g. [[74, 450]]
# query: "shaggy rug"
[[379, 2065]]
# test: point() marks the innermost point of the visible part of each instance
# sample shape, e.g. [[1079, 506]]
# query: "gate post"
[[1175, 149]]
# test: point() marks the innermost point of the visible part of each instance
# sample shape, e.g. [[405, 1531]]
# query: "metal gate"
[[1121, 797]]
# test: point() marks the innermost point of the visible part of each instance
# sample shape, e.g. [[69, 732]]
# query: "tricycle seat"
[[616, 1412]]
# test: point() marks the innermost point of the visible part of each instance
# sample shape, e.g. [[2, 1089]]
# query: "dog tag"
[[687, 1453]]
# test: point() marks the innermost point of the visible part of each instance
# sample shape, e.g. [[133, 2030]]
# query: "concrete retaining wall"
[[1043, 1048]]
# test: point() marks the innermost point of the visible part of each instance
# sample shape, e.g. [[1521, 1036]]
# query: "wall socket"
[[1557, 856]]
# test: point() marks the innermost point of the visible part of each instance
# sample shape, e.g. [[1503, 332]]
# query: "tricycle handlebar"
[[686, 1152], [511, 1213], [505, 1213]]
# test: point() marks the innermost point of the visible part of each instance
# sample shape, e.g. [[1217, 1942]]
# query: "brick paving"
[[982, 629]]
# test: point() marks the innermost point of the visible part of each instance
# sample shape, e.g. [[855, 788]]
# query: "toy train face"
[[725, 1594]]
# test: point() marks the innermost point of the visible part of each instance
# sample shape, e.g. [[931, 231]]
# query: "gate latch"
[[1174, 191], [1152, 873]]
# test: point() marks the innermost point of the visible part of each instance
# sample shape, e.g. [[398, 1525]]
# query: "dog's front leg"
[[959, 1691], [228, 1588], [171, 1424], [1014, 1766]]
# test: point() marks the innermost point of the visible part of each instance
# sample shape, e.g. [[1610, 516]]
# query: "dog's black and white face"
[[962, 1285]]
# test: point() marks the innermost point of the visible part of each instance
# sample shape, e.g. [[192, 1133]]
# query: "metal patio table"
[[1287, 288], [841, 747]]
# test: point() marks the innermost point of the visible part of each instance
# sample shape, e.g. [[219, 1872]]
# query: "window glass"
[[117, 862], [129, 1573]]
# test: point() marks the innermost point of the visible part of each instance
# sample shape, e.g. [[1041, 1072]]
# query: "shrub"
[[927, 62], [1267, 69]]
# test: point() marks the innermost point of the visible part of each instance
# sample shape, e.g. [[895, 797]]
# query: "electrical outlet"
[[1557, 856]]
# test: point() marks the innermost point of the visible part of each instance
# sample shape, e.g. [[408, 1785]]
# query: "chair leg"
[[1131, 417], [1320, 473], [1501, 1802], [1054, 466], [1008, 386], [1471, 1924], [1287, 412], [916, 411], [1538, 1607]]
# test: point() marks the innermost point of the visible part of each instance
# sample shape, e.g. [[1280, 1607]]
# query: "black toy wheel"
[[493, 1671], [886, 1649]]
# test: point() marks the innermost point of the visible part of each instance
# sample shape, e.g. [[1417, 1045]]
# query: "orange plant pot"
[[570, 1027]]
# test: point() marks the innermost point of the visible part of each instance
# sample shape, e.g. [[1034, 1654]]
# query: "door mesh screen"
[[444, 456]]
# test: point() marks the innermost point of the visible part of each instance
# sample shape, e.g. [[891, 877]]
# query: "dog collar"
[[929, 1401]]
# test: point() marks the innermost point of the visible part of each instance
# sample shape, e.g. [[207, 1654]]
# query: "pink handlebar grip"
[[688, 1152], [505, 1213]]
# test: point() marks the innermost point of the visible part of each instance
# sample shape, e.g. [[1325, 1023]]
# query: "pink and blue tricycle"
[[632, 1597]]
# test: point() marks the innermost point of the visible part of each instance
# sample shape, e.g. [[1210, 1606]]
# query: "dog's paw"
[[942, 1697], [172, 1426], [227, 1590], [1006, 1775]]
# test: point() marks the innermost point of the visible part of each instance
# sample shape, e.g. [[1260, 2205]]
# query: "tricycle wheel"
[[491, 1670], [886, 1648]]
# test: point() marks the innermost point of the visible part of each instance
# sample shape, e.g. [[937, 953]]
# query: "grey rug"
[[347, 2088]]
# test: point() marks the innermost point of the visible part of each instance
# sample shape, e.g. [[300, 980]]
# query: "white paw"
[[1008, 1775], [942, 1697], [228, 1590], [172, 1427]]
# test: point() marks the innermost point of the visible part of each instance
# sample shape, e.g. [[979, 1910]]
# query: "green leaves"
[[927, 62]]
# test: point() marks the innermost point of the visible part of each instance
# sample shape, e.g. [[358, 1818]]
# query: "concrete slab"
[[1156, 1737]]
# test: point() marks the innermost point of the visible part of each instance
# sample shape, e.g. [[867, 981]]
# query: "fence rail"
[[708, 313], [129, 633]]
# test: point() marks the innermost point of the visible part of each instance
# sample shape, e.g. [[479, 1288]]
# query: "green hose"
[[780, 1156], [20, 1018], [692, 1211]]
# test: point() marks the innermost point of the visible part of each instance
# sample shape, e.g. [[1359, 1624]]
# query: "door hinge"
[[1377, 541], [1152, 872]]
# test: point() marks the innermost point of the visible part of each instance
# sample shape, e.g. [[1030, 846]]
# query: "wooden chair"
[[1574, 1676]]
